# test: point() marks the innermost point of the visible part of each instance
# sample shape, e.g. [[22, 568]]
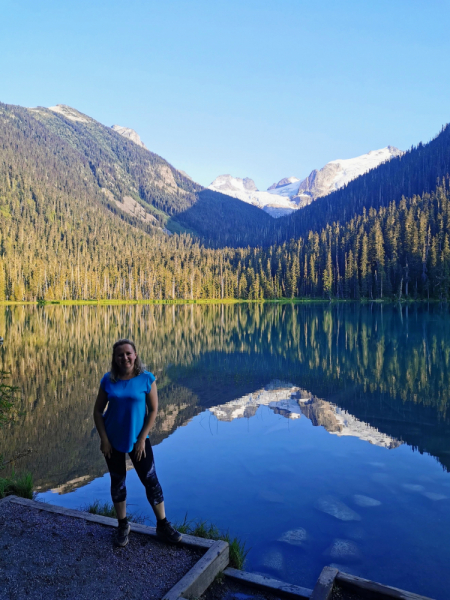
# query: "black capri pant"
[[145, 468]]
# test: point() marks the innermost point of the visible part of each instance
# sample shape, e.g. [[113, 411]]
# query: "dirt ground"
[[44, 556], [340, 594]]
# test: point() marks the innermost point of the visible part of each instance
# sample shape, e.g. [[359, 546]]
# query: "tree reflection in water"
[[386, 365]]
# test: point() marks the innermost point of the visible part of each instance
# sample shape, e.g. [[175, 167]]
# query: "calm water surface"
[[319, 434]]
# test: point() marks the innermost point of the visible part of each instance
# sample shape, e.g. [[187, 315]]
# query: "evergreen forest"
[[66, 232]]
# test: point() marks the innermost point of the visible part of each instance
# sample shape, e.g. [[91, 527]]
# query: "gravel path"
[[44, 556]]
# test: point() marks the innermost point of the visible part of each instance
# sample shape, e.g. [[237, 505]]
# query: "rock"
[[283, 182], [166, 177], [130, 134], [295, 537], [365, 500], [131, 207], [273, 560], [434, 496], [343, 551], [70, 113], [334, 507]]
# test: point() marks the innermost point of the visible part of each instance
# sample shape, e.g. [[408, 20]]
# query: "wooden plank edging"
[[188, 540], [372, 589], [271, 585], [202, 574], [216, 559], [324, 586], [6, 499]]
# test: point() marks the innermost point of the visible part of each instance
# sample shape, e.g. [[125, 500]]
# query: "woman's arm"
[[152, 406], [100, 404]]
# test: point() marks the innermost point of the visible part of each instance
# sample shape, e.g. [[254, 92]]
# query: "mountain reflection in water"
[[383, 368], [292, 402], [303, 491]]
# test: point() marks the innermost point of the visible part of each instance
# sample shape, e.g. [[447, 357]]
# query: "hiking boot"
[[167, 533], [121, 537]]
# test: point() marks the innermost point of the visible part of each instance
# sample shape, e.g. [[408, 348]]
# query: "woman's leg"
[[121, 509], [145, 468], [118, 472], [159, 510]]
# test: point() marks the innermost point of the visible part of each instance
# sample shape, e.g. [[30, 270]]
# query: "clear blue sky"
[[250, 87]]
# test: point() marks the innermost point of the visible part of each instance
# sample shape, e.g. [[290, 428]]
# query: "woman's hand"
[[105, 448], [139, 448]]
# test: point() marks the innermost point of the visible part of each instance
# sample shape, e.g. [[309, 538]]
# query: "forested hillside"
[[64, 235], [112, 172], [416, 172], [67, 250]]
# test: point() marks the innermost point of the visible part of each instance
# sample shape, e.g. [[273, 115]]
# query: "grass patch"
[[106, 509], [17, 485], [204, 529]]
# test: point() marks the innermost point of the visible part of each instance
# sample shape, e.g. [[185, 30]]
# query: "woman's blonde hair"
[[139, 366]]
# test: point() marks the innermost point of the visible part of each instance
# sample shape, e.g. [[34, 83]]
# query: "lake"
[[317, 433]]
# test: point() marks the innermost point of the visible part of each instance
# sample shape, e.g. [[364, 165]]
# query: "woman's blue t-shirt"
[[125, 415]]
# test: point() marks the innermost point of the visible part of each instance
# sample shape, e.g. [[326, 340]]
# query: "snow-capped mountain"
[[288, 190], [246, 190], [338, 173], [291, 193], [283, 183], [292, 402]]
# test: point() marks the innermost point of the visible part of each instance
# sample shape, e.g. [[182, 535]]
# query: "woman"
[[132, 398]]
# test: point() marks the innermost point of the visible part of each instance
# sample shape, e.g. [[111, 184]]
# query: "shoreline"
[[51, 538], [112, 302]]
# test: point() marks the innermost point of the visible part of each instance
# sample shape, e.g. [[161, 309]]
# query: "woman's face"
[[125, 357]]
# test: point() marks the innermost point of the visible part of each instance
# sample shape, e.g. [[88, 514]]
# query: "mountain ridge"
[[130, 134], [338, 173], [291, 194], [246, 191], [418, 171], [64, 237], [136, 185]]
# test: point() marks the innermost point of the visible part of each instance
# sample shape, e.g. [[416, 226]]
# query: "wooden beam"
[[373, 590], [268, 584], [6, 499], [324, 586], [188, 540], [202, 574]]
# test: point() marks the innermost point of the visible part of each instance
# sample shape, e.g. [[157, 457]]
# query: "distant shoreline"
[[224, 301]]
